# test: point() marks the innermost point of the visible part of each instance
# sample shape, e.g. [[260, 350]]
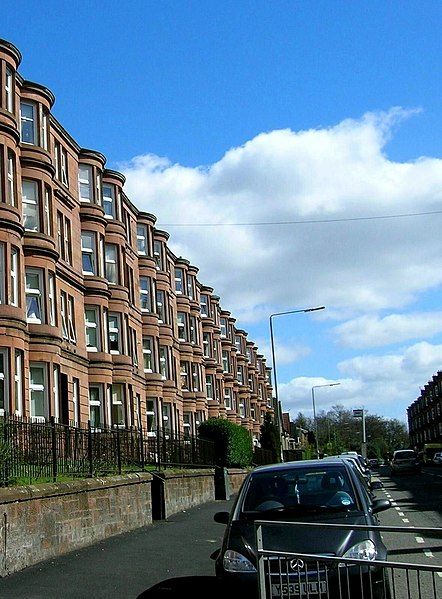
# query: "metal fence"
[[31, 451], [288, 574]]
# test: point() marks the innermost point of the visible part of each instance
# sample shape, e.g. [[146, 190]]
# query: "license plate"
[[299, 589]]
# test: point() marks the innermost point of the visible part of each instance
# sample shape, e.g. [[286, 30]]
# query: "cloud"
[[385, 384], [373, 331], [284, 175], [285, 353]]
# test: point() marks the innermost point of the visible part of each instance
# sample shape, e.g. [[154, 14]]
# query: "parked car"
[[437, 458], [404, 460], [312, 491], [374, 463]]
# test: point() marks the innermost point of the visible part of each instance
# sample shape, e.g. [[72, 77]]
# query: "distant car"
[[373, 463], [321, 491], [437, 458], [404, 460]]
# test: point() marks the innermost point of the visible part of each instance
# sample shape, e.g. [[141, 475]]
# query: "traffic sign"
[[358, 413]]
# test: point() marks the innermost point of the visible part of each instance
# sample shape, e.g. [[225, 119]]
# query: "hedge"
[[233, 443]]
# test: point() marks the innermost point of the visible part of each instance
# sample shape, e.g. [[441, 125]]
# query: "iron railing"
[[284, 574], [40, 451]]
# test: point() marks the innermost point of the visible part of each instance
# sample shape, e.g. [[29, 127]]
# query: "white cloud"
[[285, 353], [385, 384], [372, 331], [338, 172]]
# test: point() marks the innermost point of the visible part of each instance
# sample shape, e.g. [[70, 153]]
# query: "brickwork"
[[187, 489]]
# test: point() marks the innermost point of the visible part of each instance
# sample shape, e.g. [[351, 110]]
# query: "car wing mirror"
[[380, 505], [221, 517], [376, 484]]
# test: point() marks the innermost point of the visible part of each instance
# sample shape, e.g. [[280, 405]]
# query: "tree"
[[270, 438]]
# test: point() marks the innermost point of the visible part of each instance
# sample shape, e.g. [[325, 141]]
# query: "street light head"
[[314, 309]]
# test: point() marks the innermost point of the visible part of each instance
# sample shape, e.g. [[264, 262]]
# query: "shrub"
[[233, 443]]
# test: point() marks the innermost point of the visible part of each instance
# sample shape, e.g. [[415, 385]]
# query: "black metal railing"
[[42, 451]]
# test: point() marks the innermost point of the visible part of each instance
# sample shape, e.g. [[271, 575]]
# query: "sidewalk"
[[167, 559]]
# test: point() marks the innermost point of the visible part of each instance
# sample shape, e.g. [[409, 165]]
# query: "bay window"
[[63, 315], [148, 358], [209, 386], [28, 123], [161, 308], [223, 327], [51, 299], [207, 345], [18, 382], [109, 203], [96, 406], [111, 263], [146, 294], [89, 252], [226, 361], [92, 320], [184, 376], [182, 326], [158, 254], [85, 183], [34, 290], [118, 417], [228, 398], [9, 90], [179, 280], [164, 362], [114, 329], [2, 273], [30, 205], [142, 245], [4, 371], [195, 377], [11, 178], [38, 391], [204, 302]]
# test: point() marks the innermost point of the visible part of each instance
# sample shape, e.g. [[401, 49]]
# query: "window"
[[151, 418], [167, 419], [28, 125], [182, 328], [63, 315], [145, 294], [190, 287], [96, 406], [133, 344], [114, 333], [18, 382], [9, 90], [193, 336], [142, 240], [4, 370], [158, 254], [71, 320], [85, 183], [204, 302], [240, 375], [228, 398], [31, 205], [111, 263], [91, 318], [64, 237], [43, 127], [39, 408], [10, 189], [223, 327], [238, 343], [34, 294], [161, 308], [61, 164], [148, 361], [226, 361], [76, 400], [187, 424], [51, 300], [209, 386], [109, 204], [88, 252], [206, 345], [164, 362], [128, 226], [118, 416], [184, 376], [179, 280], [195, 377]]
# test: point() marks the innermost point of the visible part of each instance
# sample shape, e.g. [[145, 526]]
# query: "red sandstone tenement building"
[[99, 320]]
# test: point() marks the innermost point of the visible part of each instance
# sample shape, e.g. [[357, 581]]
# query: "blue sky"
[[245, 112]]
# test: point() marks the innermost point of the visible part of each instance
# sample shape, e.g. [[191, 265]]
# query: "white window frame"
[[117, 398], [2, 273], [56, 390], [4, 379], [206, 345], [37, 293], [190, 287], [110, 261], [27, 119], [97, 402], [9, 89], [164, 362], [148, 351], [64, 166], [225, 361], [31, 200], [223, 327], [158, 254], [71, 320], [204, 305], [209, 386], [179, 281], [115, 329], [38, 388], [185, 376], [43, 127], [195, 376], [92, 325], [47, 211], [85, 182], [63, 314], [161, 294], [193, 331], [76, 400], [51, 299], [228, 403], [10, 191], [181, 321], [109, 201], [89, 251], [18, 382], [142, 246], [146, 294]]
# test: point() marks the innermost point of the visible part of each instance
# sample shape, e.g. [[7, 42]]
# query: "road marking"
[[406, 520], [419, 540], [397, 508], [428, 554], [401, 514], [439, 574], [393, 503]]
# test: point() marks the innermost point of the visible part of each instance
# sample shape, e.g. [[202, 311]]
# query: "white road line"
[[393, 503], [419, 540], [428, 554], [397, 508], [439, 574], [406, 520], [401, 514]]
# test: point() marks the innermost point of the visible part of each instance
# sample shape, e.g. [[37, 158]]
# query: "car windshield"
[[400, 455], [300, 490]]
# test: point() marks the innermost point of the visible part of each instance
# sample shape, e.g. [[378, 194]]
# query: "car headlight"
[[364, 550], [235, 562]]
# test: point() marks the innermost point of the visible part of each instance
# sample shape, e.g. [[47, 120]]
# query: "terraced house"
[[99, 320]]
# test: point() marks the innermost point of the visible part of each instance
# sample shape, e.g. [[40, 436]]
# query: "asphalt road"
[[171, 559]]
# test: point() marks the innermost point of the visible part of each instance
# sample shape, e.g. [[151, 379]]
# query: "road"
[[171, 558], [416, 502]]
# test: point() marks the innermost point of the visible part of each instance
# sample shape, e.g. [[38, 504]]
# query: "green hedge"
[[233, 443]]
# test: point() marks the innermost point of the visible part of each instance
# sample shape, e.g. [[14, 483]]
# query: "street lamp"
[[276, 406], [315, 422]]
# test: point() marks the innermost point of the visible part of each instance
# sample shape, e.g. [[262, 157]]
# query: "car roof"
[[327, 462]]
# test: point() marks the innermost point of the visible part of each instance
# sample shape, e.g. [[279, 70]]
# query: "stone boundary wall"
[[236, 477], [40, 522], [185, 489]]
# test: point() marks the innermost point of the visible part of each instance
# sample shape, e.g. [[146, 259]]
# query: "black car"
[[313, 491]]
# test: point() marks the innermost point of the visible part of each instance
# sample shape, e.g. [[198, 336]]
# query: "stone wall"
[[236, 478], [186, 489], [37, 523]]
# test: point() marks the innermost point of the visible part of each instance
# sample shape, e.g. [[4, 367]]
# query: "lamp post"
[[276, 404], [315, 422]]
